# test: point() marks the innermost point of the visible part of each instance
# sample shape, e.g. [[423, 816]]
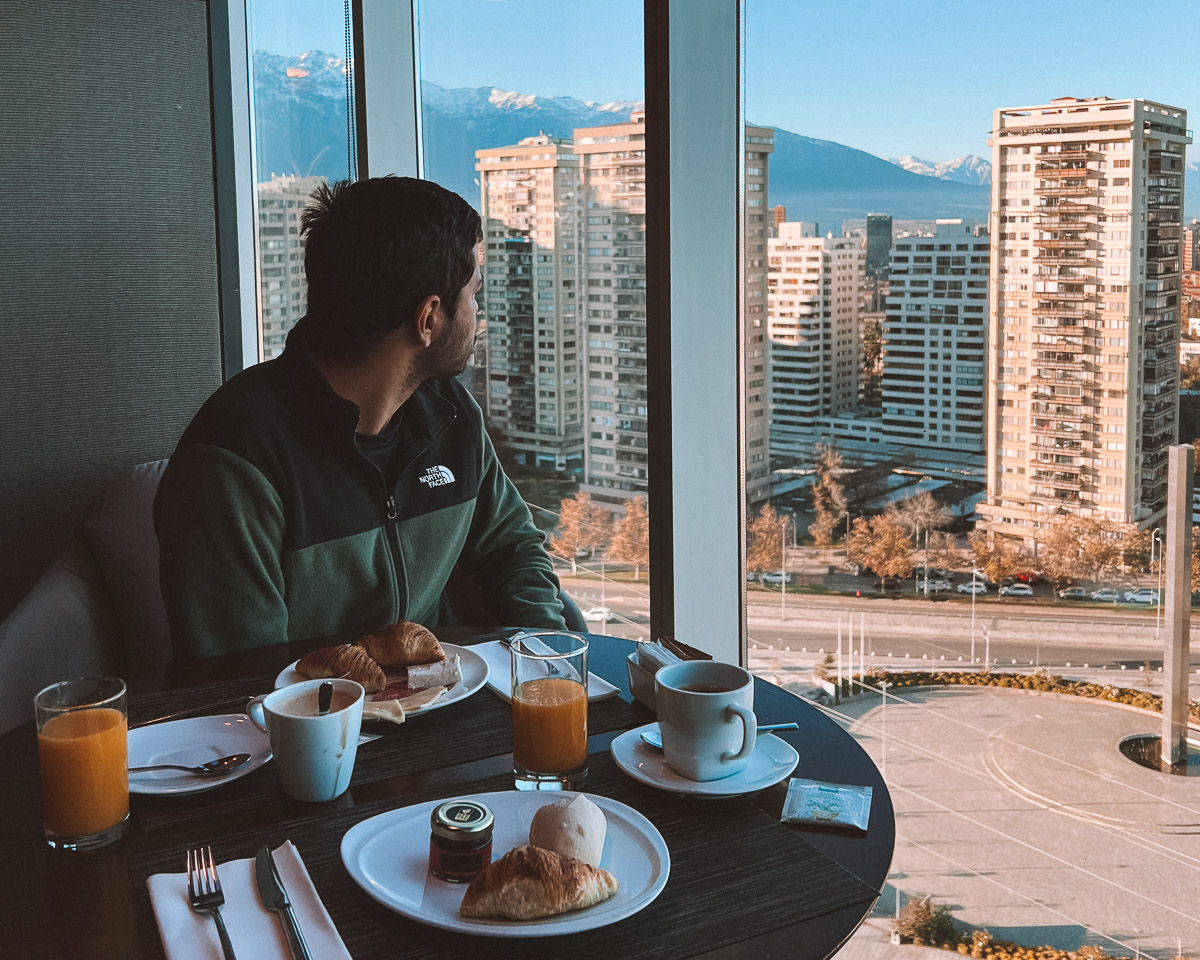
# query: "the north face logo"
[[437, 476]]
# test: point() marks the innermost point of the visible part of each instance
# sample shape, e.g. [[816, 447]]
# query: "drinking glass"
[[82, 729], [550, 706]]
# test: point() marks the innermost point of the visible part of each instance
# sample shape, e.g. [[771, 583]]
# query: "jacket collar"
[[427, 413]]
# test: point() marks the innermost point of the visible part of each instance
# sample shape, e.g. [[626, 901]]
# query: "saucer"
[[192, 742], [773, 759]]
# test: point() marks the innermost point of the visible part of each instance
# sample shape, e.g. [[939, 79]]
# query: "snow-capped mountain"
[[969, 169], [300, 128]]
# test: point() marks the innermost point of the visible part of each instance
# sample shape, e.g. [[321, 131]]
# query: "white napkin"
[[499, 680], [254, 931]]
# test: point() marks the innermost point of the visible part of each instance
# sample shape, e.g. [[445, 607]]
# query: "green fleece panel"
[[363, 571], [223, 607]]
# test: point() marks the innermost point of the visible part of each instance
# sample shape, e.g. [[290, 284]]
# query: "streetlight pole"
[[974, 574], [1157, 537], [783, 568]]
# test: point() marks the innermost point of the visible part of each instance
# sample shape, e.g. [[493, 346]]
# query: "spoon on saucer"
[[651, 738], [214, 768]]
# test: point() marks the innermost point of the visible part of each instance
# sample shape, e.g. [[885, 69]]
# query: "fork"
[[204, 893]]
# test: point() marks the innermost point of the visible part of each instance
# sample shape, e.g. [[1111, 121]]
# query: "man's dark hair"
[[374, 250]]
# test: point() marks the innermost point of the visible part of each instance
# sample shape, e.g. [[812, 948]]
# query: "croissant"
[[529, 882], [401, 645], [344, 660]]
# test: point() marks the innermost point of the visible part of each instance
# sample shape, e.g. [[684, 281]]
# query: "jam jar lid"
[[461, 820]]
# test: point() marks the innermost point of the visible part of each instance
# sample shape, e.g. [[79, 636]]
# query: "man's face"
[[449, 355]]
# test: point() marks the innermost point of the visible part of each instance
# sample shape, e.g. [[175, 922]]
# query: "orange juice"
[[549, 725], [85, 773]]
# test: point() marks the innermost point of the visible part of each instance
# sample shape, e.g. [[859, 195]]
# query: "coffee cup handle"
[[749, 731], [254, 710]]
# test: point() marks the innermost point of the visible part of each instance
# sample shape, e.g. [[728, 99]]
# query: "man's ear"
[[428, 320]]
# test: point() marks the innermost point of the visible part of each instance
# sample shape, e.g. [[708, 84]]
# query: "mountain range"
[[300, 128]]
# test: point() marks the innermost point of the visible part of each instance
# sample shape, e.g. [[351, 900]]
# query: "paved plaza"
[[1018, 812]]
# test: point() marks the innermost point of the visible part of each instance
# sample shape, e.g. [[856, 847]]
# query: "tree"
[[1081, 547], [882, 545], [996, 557], [918, 513], [828, 496], [764, 541], [631, 540], [1189, 374], [1195, 560], [582, 525], [943, 551]]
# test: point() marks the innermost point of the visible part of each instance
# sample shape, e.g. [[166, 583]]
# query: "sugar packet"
[[827, 804]]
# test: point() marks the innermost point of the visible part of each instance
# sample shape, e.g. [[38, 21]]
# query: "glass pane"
[[973, 316], [301, 98], [550, 149]]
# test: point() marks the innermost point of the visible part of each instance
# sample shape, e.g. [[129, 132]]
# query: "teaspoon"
[[214, 768], [651, 738]]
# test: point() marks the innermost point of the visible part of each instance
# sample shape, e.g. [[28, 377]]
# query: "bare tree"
[[828, 496], [631, 540]]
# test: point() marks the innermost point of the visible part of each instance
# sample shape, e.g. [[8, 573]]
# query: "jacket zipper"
[[393, 539]]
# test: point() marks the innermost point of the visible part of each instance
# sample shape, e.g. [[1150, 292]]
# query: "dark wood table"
[[742, 885]]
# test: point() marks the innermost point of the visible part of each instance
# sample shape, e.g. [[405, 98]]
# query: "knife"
[[240, 701], [275, 899]]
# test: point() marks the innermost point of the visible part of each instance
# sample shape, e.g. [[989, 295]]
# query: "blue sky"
[[902, 77]]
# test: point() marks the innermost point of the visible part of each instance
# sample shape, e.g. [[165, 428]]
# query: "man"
[[334, 489]]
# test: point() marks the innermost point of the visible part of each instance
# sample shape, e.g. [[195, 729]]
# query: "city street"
[[1041, 633]]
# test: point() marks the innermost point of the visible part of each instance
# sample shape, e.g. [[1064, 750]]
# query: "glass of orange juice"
[[82, 729], [549, 700]]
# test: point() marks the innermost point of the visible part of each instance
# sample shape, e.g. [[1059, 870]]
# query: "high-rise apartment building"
[[283, 297], [760, 143], [530, 205], [612, 171], [1083, 363], [879, 244], [813, 323], [934, 339], [565, 269]]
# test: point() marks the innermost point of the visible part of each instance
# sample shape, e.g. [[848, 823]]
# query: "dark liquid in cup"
[[305, 704], [706, 688]]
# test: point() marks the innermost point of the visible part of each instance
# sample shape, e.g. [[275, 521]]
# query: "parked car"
[[942, 573], [1106, 595], [1030, 577], [1144, 595], [598, 615], [777, 577], [887, 583], [972, 586], [1073, 593], [1017, 590], [934, 585]]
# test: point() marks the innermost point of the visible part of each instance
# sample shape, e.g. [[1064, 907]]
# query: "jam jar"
[[460, 840]]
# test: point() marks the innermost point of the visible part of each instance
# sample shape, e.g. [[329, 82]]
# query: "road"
[[1027, 631]]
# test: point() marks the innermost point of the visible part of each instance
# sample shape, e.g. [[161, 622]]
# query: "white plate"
[[192, 742], [474, 673], [499, 661], [772, 760], [388, 856]]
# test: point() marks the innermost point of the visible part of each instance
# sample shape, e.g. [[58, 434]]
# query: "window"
[[300, 101]]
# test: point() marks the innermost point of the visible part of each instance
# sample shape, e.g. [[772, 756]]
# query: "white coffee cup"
[[706, 718], [314, 755]]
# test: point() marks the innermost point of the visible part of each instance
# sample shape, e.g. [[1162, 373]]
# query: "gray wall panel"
[[109, 326]]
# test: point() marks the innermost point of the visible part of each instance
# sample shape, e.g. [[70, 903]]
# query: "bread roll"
[[529, 882], [402, 645], [344, 660], [573, 827]]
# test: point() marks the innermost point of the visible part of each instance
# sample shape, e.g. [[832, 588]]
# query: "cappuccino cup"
[[706, 718], [314, 753]]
